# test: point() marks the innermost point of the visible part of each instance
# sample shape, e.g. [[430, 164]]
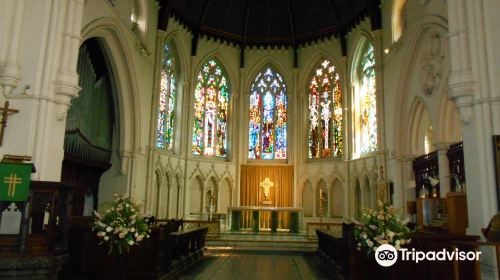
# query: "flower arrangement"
[[381, 226], [121, 225]]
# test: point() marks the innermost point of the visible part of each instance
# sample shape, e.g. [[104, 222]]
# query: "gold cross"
[[12, 181], [266, 185]]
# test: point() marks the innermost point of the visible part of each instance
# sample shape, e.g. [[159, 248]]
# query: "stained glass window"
[[267, 126], [165, 129], [211, 101], [366, 106], [325, 112]]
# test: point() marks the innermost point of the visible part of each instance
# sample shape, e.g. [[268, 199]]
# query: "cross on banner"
[[12, 181], [266, 185]]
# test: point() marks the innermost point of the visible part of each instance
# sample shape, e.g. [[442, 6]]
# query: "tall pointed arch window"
[[267, 124], [211, 102], [166, 106], [365, 103], [325, 112]]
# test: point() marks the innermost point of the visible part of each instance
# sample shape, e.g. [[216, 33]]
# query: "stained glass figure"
[[267, 125], [325, 113], [165, 122], [367, 102], [211, 103]]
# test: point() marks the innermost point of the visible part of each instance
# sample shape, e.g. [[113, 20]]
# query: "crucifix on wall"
[[6, 112]]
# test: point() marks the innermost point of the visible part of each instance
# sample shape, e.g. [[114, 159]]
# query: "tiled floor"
[[259, 265]]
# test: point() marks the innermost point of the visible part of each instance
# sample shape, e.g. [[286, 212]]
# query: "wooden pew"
[[167, 252], [340, 257]]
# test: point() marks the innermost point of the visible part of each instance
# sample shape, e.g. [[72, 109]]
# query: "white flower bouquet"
[[380, 226], [121, 225]]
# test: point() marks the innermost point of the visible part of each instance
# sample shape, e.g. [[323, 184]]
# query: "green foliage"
[[121, 225], [381, 226]]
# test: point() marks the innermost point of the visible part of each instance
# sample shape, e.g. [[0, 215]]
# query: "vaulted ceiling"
[[270, 22]]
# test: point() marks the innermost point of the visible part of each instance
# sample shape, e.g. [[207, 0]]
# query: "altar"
[[262, 218]]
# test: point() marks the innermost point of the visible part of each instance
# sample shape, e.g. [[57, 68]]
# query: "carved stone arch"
[[181, 54], [211, 188], [357, 197], [339, 197], [232, 74], [112, 35], [362, 38], [305, 75], [367, 192], [257, 68], [229, 180], [449, 126], [401, 104], [308, 198], [322, 195], [226, 191], [195, 191], [419, 120]]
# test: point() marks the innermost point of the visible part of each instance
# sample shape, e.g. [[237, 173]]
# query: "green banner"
[[14, 181]]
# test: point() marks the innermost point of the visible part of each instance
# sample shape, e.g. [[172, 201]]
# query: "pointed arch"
[[420, 129], [367, 193], [325, 112], [196, 194], [322, 196], [123, 70], [267, 123], [401, 104], [167, 97], [338, 198], [308, 198], [268, 60], [211, 109], [449, 125], [357, 198], [364, 99], [230, 71]]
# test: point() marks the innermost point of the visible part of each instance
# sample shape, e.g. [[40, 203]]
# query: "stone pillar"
[[294, 151], [444, 168], [315, 214], [11, 23], [473, 86], [330, 201]]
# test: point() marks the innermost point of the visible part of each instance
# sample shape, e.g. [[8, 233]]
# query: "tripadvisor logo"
[[386, 255]]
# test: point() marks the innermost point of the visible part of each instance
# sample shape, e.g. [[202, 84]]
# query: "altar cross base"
[[6, 112]]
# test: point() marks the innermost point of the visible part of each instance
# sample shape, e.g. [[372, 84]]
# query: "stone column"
[[444, 168], [11, 23], [294, 126], [315, 187], [473, 86]]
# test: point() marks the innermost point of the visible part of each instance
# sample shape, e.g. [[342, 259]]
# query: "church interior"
[[248, 139]]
